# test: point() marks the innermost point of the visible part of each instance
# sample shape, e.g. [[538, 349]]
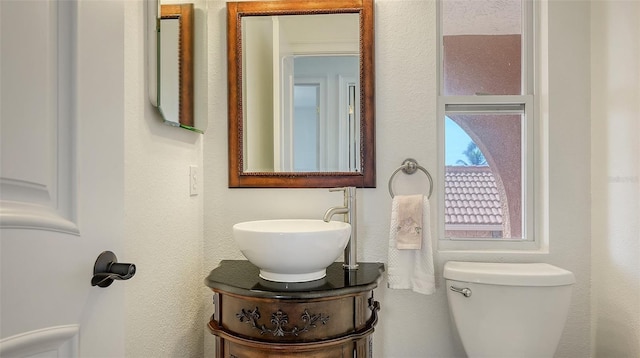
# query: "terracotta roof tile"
[[471, 196]]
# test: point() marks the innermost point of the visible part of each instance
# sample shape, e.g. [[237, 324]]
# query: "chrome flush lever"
[[466, 292]]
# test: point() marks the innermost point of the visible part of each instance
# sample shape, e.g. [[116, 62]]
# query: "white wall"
[[163, 223], [615, 166], [413, 325]]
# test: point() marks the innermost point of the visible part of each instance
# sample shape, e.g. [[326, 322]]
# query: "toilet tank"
[[512, 309]]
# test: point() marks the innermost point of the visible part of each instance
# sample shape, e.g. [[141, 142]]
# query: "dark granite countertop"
[[241, 277]]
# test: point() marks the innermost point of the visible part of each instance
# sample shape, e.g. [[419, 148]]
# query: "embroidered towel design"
[[409, 222]]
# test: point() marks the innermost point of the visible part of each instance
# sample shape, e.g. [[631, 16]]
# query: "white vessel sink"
[[292, 250]]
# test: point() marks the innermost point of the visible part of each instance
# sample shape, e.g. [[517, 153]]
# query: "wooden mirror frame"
[[184, 14], [238, 178]]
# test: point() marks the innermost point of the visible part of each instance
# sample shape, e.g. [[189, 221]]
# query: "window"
[[486, 119]]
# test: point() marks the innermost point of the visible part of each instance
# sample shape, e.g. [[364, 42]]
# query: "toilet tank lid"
[[508, 274]]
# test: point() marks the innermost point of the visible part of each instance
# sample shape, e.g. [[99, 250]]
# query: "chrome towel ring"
[[409, 166]]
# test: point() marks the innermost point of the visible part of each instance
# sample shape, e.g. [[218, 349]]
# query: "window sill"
[[491, 247]]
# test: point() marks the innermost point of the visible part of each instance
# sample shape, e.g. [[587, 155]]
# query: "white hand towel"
[[411, 269]]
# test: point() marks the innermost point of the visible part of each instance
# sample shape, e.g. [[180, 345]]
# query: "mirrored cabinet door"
[[176, 57]]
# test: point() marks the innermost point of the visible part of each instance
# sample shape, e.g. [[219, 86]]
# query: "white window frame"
[[531, 140]]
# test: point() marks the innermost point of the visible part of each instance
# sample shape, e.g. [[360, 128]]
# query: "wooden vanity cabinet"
[[332, 317]]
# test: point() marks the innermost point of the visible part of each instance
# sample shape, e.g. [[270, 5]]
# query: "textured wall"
[[615, 168], [163, 223], [413, 325]]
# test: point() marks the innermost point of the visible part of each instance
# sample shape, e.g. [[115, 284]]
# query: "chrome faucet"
[[349, 211]]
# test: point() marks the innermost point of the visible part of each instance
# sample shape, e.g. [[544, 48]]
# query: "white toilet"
[[511, 310]]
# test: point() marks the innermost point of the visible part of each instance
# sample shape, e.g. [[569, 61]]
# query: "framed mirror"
[[174, 57], [175, 61], [301, 93]]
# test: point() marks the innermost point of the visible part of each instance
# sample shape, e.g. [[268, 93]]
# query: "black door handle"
[[107, 269]]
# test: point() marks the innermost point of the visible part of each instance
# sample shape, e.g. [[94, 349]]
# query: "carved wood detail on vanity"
[[334, 319], [285, 319], [280, 320]]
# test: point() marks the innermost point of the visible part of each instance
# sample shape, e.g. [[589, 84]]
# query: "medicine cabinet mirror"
[[174, 88], [301, 93]]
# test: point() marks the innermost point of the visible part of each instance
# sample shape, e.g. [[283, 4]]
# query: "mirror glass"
[[301, 94], [309, 87], [169, 92], [178, 33]]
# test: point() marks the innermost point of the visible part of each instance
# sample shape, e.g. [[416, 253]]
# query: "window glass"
[[482, 47], [485, 110], [483, 176]]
